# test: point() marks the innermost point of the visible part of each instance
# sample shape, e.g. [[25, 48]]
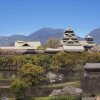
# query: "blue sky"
[[27, 16]]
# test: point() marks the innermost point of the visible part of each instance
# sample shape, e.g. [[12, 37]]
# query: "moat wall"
[[91, 82]]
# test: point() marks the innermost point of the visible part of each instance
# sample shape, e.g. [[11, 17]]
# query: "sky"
[[27, 16]]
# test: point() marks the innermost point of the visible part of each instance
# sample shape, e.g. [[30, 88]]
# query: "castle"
[[68, 43]]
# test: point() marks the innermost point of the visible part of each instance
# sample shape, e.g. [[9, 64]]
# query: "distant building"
[[70, 43], [27, 45], [88, 43], [23, 46]]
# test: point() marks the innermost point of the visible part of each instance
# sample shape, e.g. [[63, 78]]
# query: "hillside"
[[96, 35]]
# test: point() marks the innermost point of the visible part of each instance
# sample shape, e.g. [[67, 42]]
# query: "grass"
[[76, 84], [42, 98], [36, 98], [58, 85]]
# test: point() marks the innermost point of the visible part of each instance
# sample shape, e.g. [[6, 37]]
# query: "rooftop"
[[89, 36], [69, 29]]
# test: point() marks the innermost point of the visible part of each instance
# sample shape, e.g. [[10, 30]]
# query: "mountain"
[[9, 40], [42, 35], [45, 33], [96, 35]]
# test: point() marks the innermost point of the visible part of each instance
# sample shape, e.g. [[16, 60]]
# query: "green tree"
[[29, 75], [63, 60], [19, 88], [33, 73], [93, 58], [43, 60]]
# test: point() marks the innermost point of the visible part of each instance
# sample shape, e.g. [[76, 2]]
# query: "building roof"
[[22, 45], [18, 48], [85, 43], [69, 29], [73, 48], [52, 50], [89, 36], [92, 66]]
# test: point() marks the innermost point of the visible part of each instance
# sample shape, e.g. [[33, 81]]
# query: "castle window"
[[71, 42], [25, 45]]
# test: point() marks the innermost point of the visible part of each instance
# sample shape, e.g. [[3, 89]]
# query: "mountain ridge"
[[43, 35]]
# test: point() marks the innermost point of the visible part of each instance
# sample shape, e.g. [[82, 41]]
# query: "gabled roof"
[[26, 45], [23, 45]]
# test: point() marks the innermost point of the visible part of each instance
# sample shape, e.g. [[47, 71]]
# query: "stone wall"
[[7, 74], [91, 82], [35, 91]]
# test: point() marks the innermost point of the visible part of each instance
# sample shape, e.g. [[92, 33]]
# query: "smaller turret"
[[89, 39]]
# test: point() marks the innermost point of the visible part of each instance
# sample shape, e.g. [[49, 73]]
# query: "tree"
[[63, 60], [53, 43], [19, 88], [57, 61], [42, 47], [33, 73], [1, 51], [30, 75], [43, 60]]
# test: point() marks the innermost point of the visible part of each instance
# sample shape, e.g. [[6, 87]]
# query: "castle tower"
[[70, 43], [69, 38]]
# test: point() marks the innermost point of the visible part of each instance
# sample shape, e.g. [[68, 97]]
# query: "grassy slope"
[[76, 84]]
